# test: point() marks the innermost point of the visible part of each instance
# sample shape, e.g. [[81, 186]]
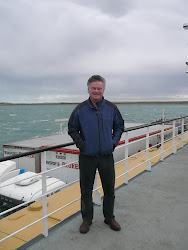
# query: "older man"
[[96, 126]]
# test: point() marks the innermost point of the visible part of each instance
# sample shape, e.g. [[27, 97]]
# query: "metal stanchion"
[[148, 163], [162, 142], [126, 157], [44, 199]]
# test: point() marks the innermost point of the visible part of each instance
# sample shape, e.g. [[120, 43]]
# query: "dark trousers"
[[88, 167]]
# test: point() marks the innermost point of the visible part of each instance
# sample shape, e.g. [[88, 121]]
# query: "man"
[[96, 126]]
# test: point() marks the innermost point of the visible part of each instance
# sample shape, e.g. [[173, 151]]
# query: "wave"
[[16, 129], [38, 121]]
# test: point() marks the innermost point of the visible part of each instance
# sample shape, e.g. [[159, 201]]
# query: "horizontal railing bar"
[[31, 224], [144, 138], [153, 123], [56, 168], [149, 159], [138, 165], [117, 162], [36, 151], [32, 200], [41, 173], [40, 197], [154, 146]]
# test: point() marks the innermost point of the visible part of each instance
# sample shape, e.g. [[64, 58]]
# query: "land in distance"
[[68, 103]]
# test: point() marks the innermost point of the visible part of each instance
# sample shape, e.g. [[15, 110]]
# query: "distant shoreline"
[[74, 103]]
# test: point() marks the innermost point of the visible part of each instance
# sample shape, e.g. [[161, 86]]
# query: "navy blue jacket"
[[96, 132]]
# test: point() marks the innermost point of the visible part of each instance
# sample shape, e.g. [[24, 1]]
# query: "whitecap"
[[12, 114], [16, 129], [38, 121]]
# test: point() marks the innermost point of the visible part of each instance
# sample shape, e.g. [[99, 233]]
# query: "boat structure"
[[18, 186], [68, 156]]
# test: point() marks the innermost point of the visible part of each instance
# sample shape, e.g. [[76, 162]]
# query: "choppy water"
[[29, 121]]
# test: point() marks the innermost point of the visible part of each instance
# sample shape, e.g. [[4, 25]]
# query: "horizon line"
[[117, 102]]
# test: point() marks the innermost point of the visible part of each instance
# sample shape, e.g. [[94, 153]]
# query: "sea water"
[[21, 122]]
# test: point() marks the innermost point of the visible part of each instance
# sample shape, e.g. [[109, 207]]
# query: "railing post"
[[148, 163], [61, 129], [162, 142], [44, 189], [182, 132], [126, 157], [96, 193], [173, 139]]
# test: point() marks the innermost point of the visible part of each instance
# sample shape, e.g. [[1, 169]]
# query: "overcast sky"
[[49, 49]]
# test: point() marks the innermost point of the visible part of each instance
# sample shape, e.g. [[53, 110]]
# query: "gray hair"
[[96, 78]]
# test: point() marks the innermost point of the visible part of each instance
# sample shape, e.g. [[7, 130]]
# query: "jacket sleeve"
[[118, 127], [74, 130]]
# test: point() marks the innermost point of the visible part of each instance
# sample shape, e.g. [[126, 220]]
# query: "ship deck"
[[152, 211]]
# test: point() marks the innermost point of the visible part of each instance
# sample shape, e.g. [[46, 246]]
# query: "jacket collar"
[[99, 104]]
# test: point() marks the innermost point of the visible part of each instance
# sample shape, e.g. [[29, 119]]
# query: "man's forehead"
[[96, 83]]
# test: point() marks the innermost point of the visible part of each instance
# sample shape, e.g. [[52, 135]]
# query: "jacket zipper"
[[102, 121], [99, 133]]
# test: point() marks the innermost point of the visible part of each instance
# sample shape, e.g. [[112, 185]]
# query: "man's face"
[[96, 91]]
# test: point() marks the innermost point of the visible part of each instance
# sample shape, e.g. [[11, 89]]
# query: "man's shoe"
[[113, 224], [84, 227]]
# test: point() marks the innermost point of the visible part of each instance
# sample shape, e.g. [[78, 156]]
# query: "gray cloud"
[[112, 8], [48, 49]]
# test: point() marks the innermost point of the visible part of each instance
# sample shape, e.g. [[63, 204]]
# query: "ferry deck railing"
[[97, 197]]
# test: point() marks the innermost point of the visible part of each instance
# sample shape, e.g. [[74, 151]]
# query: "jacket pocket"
[[81, 146]]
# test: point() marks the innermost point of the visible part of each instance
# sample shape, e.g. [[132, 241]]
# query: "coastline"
[[74, 103]]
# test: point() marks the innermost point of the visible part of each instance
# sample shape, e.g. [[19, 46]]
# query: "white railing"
[[61, 122], [97, 196]]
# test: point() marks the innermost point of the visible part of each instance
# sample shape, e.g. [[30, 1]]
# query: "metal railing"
[[97, 196]]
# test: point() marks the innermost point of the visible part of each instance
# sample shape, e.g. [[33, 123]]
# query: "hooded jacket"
[[96, 131]]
